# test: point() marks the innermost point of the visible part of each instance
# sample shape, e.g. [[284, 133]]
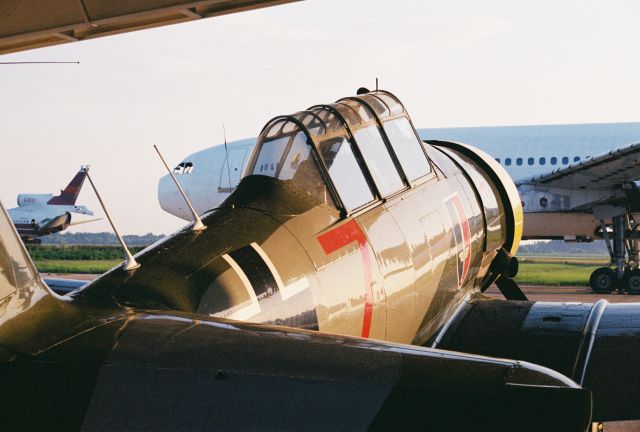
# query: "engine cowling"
[[498, 197], [33, 199]]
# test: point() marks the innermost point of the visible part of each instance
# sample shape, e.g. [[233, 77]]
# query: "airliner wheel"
[[603, 280], [632, 281]]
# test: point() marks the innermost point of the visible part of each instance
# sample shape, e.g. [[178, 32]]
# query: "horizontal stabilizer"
[[80, 222]]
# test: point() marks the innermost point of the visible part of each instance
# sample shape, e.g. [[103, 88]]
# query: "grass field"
[[76, 258], [76, 266], [557, 270], [533, 270], [77, 252]]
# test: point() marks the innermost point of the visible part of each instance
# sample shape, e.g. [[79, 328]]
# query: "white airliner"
[[41, 214], [577, 183]]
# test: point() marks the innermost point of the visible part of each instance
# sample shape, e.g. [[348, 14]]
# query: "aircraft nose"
[[170, 199]]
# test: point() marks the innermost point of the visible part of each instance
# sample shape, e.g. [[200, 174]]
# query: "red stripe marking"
[[466, 236], [338, 238], [70, 193]]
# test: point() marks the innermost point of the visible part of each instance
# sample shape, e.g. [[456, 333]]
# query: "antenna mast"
[[130, 262], [39, 62], [226, 154], [197, 223]]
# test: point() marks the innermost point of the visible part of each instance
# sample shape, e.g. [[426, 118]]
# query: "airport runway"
[[567, 294], [533, 292]]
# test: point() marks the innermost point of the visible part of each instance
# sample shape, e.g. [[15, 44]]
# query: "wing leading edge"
[[606, 171]]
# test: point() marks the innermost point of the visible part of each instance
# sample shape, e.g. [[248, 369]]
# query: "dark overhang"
[[29, 24]]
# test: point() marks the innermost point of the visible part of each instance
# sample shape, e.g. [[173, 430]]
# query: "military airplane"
[[38, 215], [339, 286], [566, 193]]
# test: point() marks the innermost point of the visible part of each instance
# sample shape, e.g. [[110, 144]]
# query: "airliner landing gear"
[[603, 280], [622, 274], [632, 281]]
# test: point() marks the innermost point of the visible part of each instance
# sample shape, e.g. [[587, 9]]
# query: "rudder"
[[69, 194]]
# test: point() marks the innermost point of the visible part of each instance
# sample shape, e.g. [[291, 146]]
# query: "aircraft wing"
[[29, 25], [603, 172], [79, 222], [229, 375], [569, 202]]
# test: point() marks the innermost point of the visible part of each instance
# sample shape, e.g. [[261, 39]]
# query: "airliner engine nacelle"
[[33, 199]]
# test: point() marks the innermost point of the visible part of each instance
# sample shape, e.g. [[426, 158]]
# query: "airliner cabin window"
[[498, 160], [507, 161], [554, 160], [183, 168], [407, 147], [542, 161], [565, 160], [531, 161], [519, 161], [576, 159]]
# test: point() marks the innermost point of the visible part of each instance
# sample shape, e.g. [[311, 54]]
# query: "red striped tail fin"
[[69, 195]]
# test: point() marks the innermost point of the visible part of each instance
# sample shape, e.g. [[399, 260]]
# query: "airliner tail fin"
[[69, 195]]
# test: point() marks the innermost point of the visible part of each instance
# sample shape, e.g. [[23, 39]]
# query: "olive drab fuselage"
[[327, 232]]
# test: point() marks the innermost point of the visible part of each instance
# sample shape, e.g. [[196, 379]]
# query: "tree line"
[[101, 238]]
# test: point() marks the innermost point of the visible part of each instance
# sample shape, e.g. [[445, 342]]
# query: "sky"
[[453, 64]]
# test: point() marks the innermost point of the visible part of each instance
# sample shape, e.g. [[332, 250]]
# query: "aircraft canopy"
[[348, 154]]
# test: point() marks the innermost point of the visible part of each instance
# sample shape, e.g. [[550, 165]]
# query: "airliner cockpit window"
[[183, 168], [286, 155]]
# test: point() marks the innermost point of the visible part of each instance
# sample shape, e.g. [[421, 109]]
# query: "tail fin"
[[69, 195]]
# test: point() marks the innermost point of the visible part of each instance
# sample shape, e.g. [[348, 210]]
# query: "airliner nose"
[[170, 199]]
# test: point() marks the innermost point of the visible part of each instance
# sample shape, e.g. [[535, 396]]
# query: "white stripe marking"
[[269, 264], [289, 290], [295, 288], [251, 307]]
